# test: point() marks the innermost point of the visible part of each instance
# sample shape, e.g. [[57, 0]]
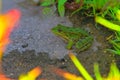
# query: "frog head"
[[57, 29], [60, 30]]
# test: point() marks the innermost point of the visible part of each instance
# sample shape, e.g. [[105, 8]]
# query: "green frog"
[[76, 38]]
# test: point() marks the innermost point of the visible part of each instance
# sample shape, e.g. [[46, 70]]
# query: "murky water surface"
[[33, 44]]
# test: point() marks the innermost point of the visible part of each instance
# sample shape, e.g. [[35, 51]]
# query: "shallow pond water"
[[50, 49]]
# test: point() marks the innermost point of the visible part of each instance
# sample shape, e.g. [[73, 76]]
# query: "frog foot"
[[84, 44]]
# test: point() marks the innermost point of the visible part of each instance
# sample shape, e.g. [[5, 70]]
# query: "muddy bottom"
[[17, 63]]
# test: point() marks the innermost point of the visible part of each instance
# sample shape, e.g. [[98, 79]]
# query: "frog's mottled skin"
[[74, 36]]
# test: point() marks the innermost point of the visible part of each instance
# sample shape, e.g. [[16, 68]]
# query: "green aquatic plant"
[[116, 13], [47, 2], [116, 44], [112, 11], [114, 73], [97, 72], [107, 23], [80, 67], [102, 7], [95, 4], [99, 7], [60, 5]]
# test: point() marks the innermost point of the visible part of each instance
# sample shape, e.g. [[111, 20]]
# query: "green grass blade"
[[80, 67], [97, 72], [47, 2], [107, 23], [61, 8]]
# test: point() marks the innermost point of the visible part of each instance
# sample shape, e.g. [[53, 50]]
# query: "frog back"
[[72, 30]]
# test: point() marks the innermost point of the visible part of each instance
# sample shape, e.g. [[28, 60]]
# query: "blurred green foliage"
[[60, 5], [116, 44]]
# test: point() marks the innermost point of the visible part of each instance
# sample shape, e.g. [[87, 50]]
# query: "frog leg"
[[83, 48], [70, 44], [83, 44]]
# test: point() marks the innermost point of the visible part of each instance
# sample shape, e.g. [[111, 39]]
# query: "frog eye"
[[59, 30]]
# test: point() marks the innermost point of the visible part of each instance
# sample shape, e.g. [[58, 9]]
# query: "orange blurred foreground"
[[3, 77], [31, 75], [7, 24], [65, 74]]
